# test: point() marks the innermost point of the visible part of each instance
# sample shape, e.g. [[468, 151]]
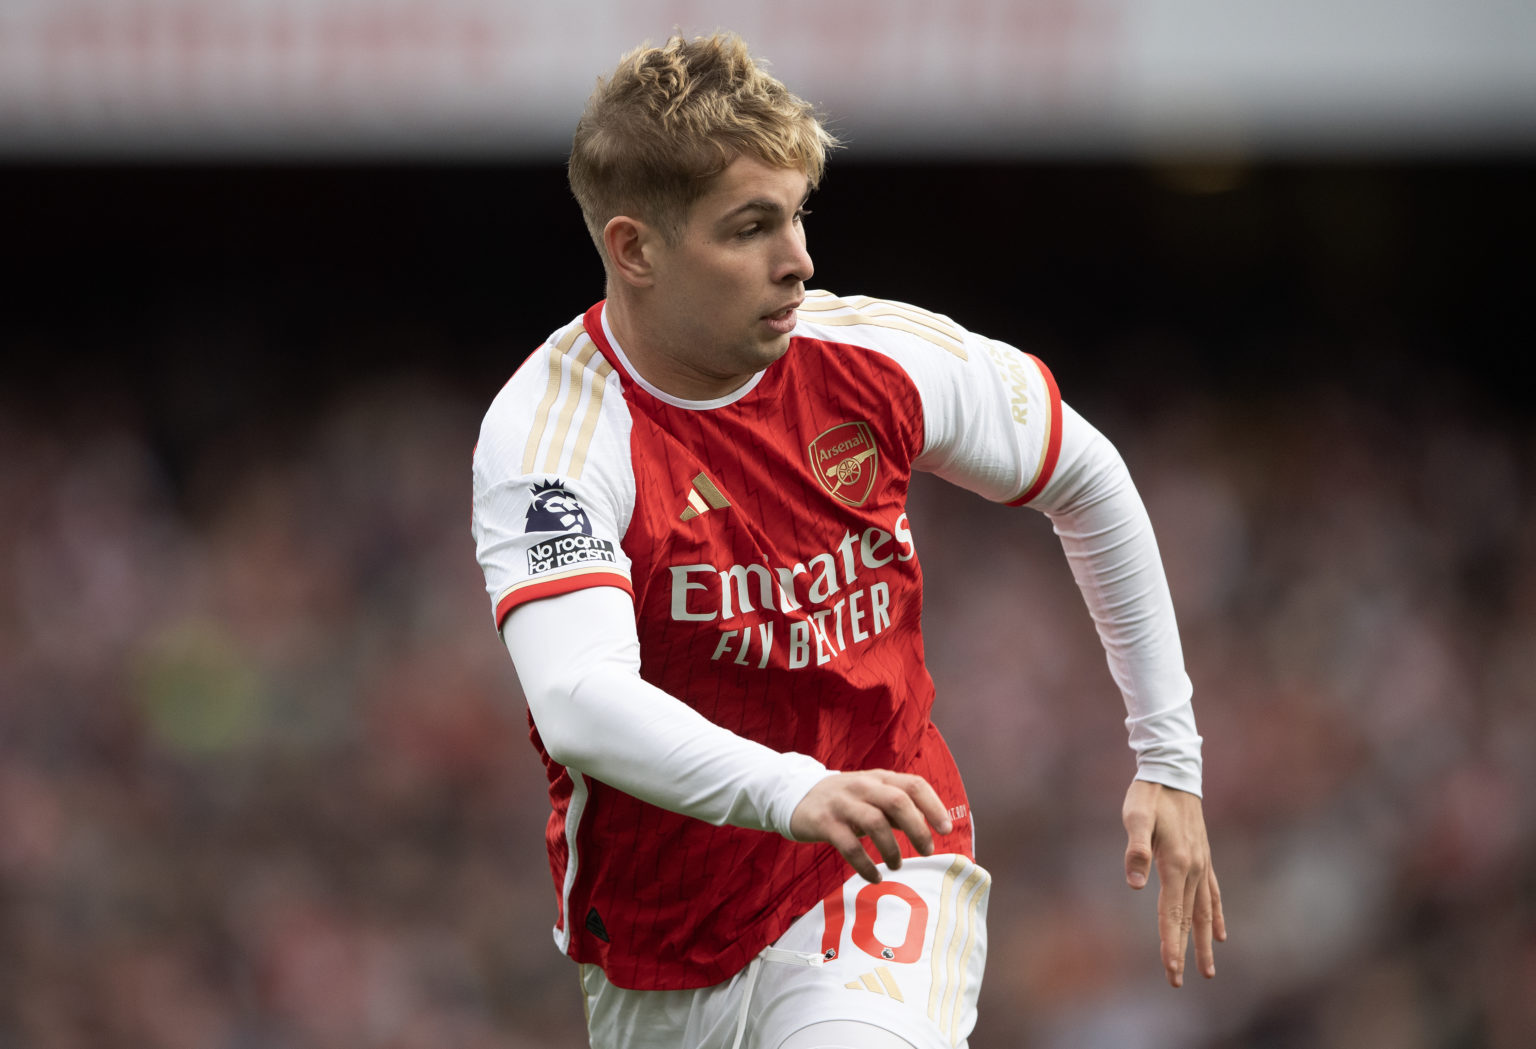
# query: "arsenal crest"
[[844, 459]]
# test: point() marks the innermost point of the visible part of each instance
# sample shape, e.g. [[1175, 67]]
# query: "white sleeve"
[[1107, 536], [553, 488], [578, 658]]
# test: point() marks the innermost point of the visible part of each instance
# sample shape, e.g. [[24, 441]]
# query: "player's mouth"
[[783, 321]]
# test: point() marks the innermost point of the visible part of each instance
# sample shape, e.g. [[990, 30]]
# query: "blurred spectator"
[[264, 783]]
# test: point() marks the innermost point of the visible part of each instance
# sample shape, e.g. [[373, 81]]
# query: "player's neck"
[[651, 352]]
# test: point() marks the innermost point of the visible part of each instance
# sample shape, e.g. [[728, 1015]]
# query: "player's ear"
[[631, 245]]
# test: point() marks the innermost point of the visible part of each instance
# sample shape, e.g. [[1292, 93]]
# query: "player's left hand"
[[1167, 826]]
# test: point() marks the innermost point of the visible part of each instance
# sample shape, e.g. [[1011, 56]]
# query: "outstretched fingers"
[[1210, 924], [1173, 922], [1219, 923], [1165, 828], [1183, 907]]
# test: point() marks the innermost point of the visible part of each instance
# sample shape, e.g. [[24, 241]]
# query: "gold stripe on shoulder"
[[574, 391], [880, 313], [893, 322], [600, 372], [822, 302], [946, 333], [541, 415]]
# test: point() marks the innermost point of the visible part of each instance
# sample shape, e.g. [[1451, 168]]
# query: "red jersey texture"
[[830, 666], [778, 592]]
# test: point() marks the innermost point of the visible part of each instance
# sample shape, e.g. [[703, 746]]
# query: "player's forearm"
[[632, 736], [579, 667], [1108, 540]]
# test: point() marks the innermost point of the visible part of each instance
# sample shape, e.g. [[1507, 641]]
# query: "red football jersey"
[[776, 586]]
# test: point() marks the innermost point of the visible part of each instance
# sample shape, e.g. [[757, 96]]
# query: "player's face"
[[728, 290]]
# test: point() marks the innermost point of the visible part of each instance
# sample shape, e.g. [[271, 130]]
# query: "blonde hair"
[[656, 133]]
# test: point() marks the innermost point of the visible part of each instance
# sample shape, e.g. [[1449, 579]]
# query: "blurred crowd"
[[265, 781]]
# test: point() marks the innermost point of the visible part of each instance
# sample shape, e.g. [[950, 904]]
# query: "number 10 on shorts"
[[865, 912], [921, 933]]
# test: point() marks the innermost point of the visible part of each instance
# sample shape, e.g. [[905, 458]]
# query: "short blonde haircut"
[[670, 119]]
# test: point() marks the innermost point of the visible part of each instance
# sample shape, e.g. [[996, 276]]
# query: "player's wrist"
[[800, 774], [1176, 777]]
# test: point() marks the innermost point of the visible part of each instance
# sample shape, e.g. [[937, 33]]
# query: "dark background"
[[1383, 277]]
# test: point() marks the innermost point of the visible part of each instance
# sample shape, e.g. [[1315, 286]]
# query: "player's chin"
[[772, 348]]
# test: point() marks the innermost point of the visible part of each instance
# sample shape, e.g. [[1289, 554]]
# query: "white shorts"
[[904, 955]]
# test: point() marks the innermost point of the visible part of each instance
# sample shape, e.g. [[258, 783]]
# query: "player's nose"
[[795, 263]]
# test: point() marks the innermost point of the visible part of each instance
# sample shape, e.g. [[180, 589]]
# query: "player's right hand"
[[1166, 828], [849, 806]]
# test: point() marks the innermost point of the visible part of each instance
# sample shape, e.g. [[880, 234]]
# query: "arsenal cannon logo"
[[845, 459]]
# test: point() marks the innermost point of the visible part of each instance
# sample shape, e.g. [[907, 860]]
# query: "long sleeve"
[[578, 658], [1107, 536]]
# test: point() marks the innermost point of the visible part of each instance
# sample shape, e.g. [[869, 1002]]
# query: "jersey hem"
[[827, 871]]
